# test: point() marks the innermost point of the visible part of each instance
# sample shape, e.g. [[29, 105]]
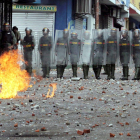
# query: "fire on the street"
[[12, 78], [54, 86]]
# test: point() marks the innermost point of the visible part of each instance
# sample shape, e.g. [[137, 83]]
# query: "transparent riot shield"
[[98, 48], [75, 46], [36, 56], [61, 47], [112, 46], [45, 49], [86, 47], [135, 49], [124, 48]]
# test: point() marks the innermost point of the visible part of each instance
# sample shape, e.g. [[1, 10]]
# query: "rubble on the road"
[[80, 109]]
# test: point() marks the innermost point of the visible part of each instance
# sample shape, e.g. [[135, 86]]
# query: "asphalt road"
[[80, 110]]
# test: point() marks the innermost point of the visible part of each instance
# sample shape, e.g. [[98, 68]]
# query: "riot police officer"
[[45, 46], [7, 39], [75, 48], [86, 52], [136, 53], [28, 45], [111, 53], [61, 51], [125, 52], [98, 52]]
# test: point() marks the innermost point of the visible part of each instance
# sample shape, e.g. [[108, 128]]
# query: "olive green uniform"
[[75, 48], [111, 57], [7, 38], [97, 56], [44, 47], [136, 57], [62, 51], [28, 46], [125, 56]]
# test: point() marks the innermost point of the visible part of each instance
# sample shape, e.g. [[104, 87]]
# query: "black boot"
[[112, 71], [137, 74], [108, 68], [84, 70], [58, 71], [95, 69], [44, 72], [74, 68], [125, 73], [29, 70], [48, 71], [62, 70], [87, 70], [98, 72]]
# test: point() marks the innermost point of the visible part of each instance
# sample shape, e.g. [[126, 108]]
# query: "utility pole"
[[96, 14]]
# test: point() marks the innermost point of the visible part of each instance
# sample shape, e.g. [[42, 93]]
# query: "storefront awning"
[[134, 12]]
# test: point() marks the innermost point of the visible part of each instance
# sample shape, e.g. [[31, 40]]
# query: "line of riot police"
[[96, 48]]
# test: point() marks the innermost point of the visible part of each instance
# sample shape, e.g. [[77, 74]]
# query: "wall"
[[135, 3], [64, 12]]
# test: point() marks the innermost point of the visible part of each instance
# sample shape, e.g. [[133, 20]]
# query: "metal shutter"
[[110, 22], [78, 24], [35, 21]]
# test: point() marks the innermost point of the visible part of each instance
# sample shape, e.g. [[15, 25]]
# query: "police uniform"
[[28, 45], [62, 51], [125, 54], [111, 54], [97, 53], [44, 47], [7, 38], [75, 48], [136, 53], [86, 52]]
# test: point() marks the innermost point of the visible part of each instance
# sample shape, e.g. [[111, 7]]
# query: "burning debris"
[[12, 78], [54, 85]]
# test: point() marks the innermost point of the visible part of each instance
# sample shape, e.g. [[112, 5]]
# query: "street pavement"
[[80, 110]]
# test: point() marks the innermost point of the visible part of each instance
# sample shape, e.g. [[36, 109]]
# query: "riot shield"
[[45, 48], [135, 48], [98, 48], [86, 47], [75, 46], [112, 46], [61, 47], [124, 47]]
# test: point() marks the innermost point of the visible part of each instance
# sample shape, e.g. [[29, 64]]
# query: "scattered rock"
[[80, 132]]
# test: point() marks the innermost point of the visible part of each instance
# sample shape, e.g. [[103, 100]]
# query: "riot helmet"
[[28, 31], [45, 31], [136, 33], [6, 26], [65, 33], [86, 35], [113, 32], [74, 35], [124, 33]]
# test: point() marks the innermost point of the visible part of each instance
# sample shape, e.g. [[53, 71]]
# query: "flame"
[[12, 78], [54, 86]]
